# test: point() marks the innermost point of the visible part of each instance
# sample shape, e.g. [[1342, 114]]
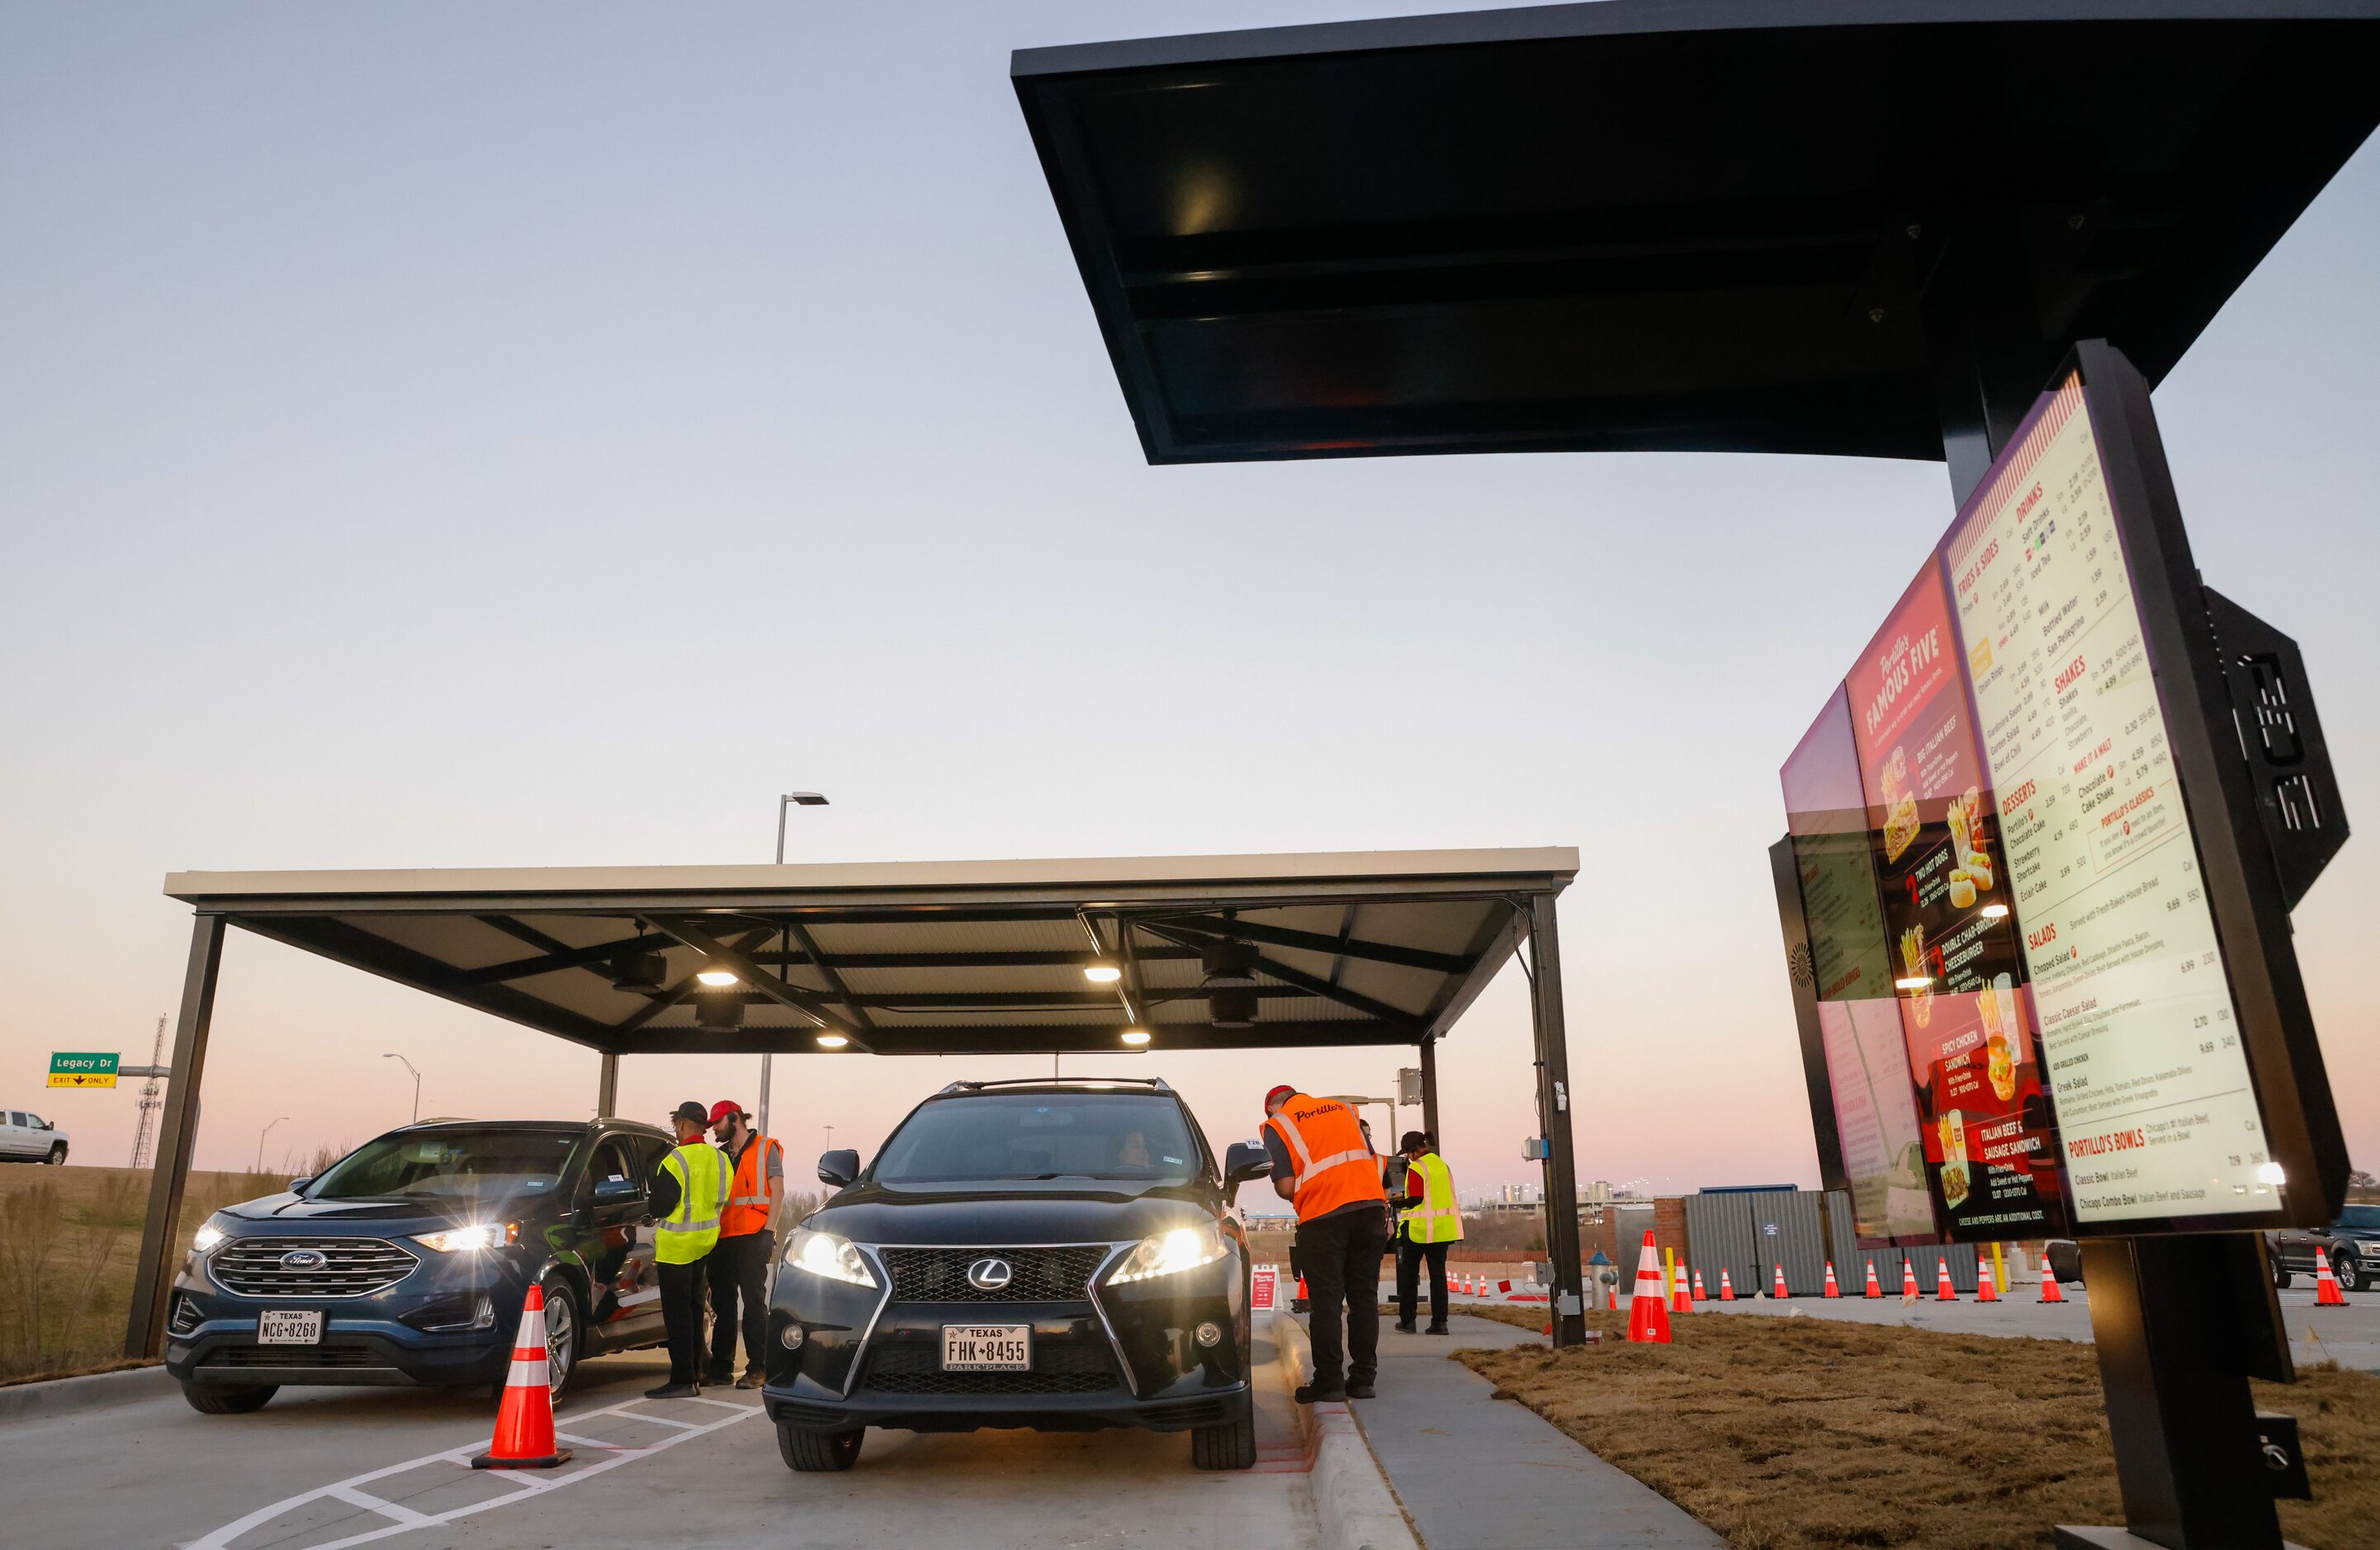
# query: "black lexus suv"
[[1049, 1255], [408, 1261]]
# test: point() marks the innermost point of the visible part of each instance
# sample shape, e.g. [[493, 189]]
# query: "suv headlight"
[[210, 1233], [828, 1254], [1170, 1253], [470, 1238]]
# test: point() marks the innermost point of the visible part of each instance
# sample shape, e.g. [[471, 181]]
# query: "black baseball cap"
[[692, 1110], [1412, 1140]]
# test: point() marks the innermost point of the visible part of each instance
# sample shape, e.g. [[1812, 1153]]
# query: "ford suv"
[[1050, 1254], [408, 1261]]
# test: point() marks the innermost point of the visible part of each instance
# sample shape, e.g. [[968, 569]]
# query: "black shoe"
[[751, 1379], [675, 1391], [1407, 1327], [1360, 1391], [719, 1380], [1307, 1394], [1436, 1329]]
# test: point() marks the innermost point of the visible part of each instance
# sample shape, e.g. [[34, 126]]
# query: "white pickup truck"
[[27, 1137]]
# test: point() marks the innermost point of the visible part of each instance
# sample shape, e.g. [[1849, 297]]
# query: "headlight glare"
[[1172, 1251], [207, 1237], [828, 1254], [470, 1238]]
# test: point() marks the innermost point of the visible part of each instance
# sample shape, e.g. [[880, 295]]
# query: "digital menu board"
[[1991, 815]]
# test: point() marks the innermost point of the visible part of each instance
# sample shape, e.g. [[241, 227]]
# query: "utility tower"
[[152, 1097]]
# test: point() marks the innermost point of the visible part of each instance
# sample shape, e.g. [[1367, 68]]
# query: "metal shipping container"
[[1962, 1259], [1851, 1260], [1750, 1232]]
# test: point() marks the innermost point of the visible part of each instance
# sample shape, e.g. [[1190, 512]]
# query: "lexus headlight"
[[1170, 1252], [208, 1235], [828, 1254], [471, 1239]]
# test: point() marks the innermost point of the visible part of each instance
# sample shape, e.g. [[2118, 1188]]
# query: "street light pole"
[[790, 800], [417, 1083], [259, 1143]]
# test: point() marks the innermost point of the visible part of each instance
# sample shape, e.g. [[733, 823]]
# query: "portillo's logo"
[[1895, 666]]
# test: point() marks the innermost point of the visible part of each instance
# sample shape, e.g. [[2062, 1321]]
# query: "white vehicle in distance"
[[27, 1137]]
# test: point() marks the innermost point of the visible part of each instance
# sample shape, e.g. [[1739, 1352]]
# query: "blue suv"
[[408, 1261]]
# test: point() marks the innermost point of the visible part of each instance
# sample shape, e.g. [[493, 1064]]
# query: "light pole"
[[259, 1143], [785, 804], [417, 1083]]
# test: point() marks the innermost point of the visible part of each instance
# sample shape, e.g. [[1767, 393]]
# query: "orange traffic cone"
[[1298, 1302], [2325, 1285], [1942, 1292], [1777, 1289], [1832, 1290], [1681, 1301], [1648, 1311], [1987, 1290], [1909, 1292], [524, 1438], [2049, 1288], [1874, 1287], [1725, 1287], [1700, 1295]]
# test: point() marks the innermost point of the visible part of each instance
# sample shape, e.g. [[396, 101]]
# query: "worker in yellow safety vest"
[[1430, 1225], [1322, 1165], [688, 1193]]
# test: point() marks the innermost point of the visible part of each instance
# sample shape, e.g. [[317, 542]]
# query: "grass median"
[[1783, 1432]]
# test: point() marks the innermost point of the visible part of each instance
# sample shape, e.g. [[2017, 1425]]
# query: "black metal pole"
[[607, 1086], [1429, 1090], [1553, 1110], [144, 1325]]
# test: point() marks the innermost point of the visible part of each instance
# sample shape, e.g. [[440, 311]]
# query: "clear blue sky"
[[438, 435]]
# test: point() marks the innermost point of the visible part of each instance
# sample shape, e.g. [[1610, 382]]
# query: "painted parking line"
[[404, 1520]]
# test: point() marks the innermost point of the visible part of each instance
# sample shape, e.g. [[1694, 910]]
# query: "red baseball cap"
[[1283, 1091], [723, 1109]]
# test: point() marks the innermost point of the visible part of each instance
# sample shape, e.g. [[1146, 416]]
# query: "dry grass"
[[1788, 1432], [68, 1236]]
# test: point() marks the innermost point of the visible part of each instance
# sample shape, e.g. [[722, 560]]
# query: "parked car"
[[2353, 1243], [26, 1137], [408, 1261], [1049, 1254]]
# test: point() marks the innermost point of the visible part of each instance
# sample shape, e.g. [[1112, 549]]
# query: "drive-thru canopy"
[[983, 958]]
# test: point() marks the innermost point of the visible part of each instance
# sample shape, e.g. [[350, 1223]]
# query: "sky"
[[446, 435]]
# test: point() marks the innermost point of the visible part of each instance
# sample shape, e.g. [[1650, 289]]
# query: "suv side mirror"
[[298, 1186], [839, 1167], [1244, 1160], [610, 1190]]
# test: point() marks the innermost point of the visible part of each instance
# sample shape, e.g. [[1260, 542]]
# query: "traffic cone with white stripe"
[[1909, 1292], [1942, 1292], [1648, 1311], [1681, 1301], [2325, 1285], [1832, 1290], [524, 1438], [1986, 1288], [1725, 1287], [1875, 1290], [1777, 1291], [2049, 1288], [1700, 1295]]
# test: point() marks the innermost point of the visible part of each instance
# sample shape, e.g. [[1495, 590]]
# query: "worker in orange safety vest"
[[739, 1264], [1323, 1165]]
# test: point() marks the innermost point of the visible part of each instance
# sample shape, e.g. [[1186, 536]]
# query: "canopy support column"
[[144, 1325], [1429, 1088], [1553, 1112], [607, 1086]]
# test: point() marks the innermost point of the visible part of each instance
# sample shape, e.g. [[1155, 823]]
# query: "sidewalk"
[[1481, 1474]]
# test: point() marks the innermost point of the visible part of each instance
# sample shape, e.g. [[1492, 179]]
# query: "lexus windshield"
[[447, 1165], [1009, 1136]]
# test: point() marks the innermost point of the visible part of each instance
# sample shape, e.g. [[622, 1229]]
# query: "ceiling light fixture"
[[831, 1041], [636, 971], [1135, 1035], [719, 1014], [716, 977], [1101, 973]]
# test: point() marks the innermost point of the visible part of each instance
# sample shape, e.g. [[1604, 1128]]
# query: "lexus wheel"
[[2349, 1272], [1233, 1444], [815, 1452], [560, 1334]]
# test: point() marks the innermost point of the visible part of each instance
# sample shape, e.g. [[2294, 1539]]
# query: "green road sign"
[[69, 1069]]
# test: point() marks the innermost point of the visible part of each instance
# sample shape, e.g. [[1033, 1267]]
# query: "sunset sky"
[[437, 436]]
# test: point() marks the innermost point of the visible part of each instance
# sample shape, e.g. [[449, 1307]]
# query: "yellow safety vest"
[[1437, 1219], [692, 1226]]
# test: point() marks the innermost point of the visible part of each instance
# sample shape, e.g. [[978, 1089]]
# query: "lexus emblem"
[[990, 1275], [304, 1259]]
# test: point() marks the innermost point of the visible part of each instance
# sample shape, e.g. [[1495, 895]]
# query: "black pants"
[[1410, 1256], [682, 1316], [739, 1271], [1342, 1252]]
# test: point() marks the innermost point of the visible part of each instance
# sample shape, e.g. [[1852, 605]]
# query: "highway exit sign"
[[68, 1069]]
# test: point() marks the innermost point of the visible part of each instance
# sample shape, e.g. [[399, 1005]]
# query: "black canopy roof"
[[1723, 224]]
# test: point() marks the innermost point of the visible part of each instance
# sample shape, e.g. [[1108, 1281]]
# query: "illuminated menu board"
[[2153, 1096], [2021, 996]]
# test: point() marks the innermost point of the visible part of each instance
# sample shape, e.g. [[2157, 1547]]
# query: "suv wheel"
[[2280, 1277], [2348, 1272], [561, 1335], [58, 1155], [815, 1452], [1232, 1446], [228, 1398]]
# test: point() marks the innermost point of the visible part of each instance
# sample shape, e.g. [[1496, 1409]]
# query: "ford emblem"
[[990, 1275], [304, 1259]]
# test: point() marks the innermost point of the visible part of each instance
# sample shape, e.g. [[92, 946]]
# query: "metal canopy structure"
[[1843, 226], [952, 958]]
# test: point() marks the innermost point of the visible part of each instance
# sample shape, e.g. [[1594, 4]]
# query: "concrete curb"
[[1352, 1497], [65, 1396]]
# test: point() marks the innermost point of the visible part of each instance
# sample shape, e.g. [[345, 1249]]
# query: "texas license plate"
[[287, 1327], [987, 1348]]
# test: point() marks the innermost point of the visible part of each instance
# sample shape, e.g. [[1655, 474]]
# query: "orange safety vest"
[[748, 1196], [1335, 1165]]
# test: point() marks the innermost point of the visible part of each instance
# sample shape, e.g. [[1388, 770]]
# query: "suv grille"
[[350, 1267], [915, 1368], [296, 1356], [1061, 1275]]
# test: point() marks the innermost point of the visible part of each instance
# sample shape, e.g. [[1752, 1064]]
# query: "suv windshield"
[[1043, 1136], [2363, 1218], [447, 1164]]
